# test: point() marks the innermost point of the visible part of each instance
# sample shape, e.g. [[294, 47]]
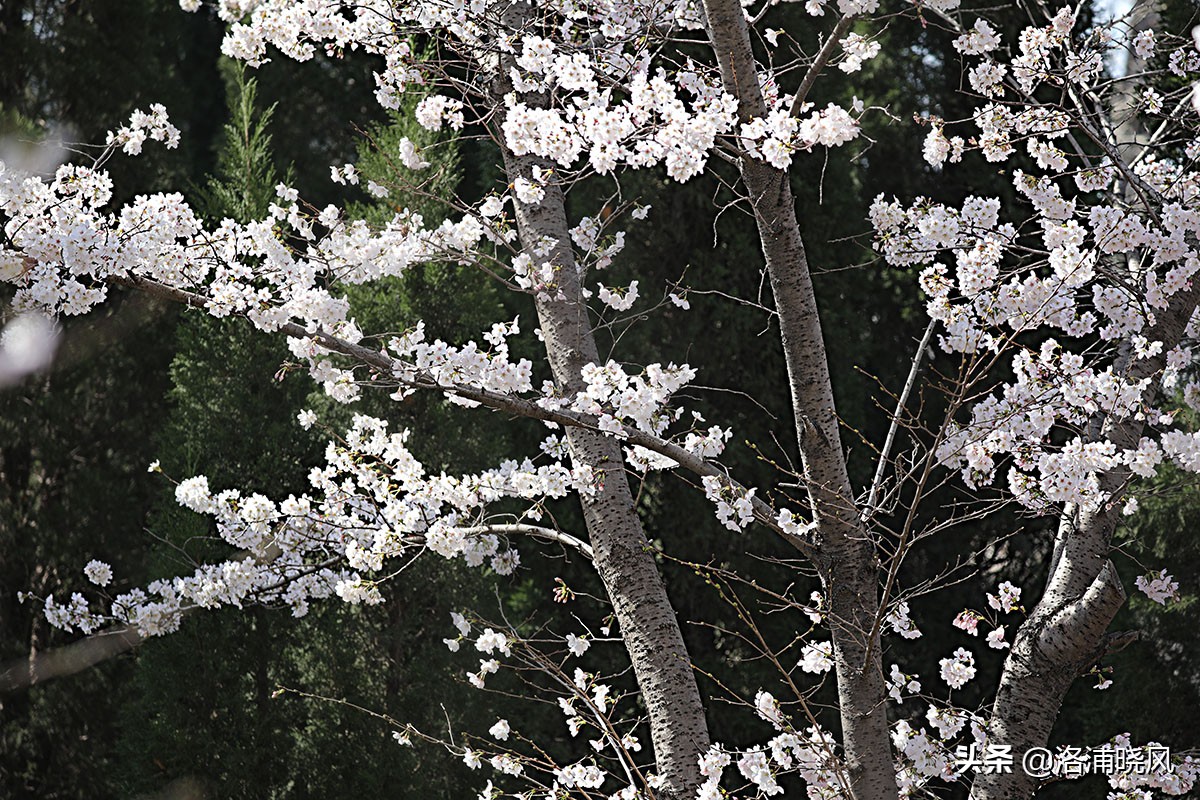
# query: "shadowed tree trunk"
[[846, 559], [621, 553]]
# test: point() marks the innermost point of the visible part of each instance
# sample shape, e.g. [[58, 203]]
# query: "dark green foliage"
[[73, 486], [200, 705], [79, 67], [204, 704], [1156, 680]]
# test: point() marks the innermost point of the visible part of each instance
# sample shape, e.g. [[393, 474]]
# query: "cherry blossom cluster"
[[468, 365], [808, 753], [583, 86], [289, 579], [62, 246], [589, 704], [656, 124], [735, 508], [1159, 587], [142, 125], [926, 753], [651, 124], [372, 501], [1082, 269], [1046, 54], [617, 398], [1180, 778], [596, 249], [899, 622], [776, 137]]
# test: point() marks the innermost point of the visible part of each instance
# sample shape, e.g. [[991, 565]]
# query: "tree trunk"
[[848, 566], [621, 553], [1065, 634]]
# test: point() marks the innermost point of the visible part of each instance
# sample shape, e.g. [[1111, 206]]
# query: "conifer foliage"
[[483, 403]]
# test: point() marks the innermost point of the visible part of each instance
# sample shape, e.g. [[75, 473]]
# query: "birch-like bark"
[[1066, 633], [620, 551], [847, 560]]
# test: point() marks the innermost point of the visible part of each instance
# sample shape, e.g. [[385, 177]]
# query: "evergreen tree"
[[208, 701]]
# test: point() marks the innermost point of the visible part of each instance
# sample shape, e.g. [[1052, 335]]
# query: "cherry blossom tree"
[[1068, 316]]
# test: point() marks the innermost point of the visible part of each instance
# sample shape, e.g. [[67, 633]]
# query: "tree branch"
[[537, 532], [822, 58], [496, 401]]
